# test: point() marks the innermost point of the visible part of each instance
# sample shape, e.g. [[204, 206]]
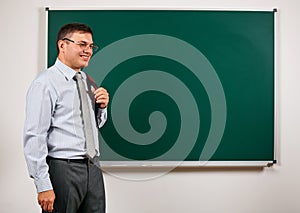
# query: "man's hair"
[[70, 29]]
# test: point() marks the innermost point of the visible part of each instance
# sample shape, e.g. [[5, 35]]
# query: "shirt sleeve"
[[101, 116], [37, 124]]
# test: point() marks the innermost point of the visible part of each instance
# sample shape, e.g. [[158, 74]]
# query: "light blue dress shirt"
[[53, 125]]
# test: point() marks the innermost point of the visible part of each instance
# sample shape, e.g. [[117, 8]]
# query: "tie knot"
[[78, 75]]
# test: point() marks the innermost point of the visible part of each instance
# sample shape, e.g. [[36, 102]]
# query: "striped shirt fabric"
[[53, 125]]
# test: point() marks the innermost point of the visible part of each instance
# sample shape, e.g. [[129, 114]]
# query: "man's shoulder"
[[46, 75], [45, 79]]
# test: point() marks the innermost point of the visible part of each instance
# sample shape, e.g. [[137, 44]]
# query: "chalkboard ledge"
[[108, 164]]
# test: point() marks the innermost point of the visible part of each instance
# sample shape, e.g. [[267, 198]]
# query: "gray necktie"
[[86, 115]]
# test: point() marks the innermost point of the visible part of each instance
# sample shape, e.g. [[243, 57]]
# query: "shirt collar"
[[68, 72]]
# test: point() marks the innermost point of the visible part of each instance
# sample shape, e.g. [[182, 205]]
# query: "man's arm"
[[37, 124]]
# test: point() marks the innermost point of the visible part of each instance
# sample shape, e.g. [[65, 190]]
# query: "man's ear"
[[60, 44]]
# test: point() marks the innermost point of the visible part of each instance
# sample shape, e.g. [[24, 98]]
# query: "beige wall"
[[275, 189]]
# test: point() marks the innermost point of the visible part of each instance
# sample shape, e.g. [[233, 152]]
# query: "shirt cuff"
[[43, 185]]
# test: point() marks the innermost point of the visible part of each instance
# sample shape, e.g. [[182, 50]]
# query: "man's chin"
[[84, 64]]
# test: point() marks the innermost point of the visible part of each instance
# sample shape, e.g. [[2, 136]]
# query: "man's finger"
[[48, 207]]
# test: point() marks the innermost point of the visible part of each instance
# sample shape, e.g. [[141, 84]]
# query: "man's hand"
[[101, 97], [46, 200]]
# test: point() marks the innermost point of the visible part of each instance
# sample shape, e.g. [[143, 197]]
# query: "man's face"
[[74, 55]]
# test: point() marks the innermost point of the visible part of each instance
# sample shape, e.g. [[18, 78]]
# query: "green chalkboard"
[[184, 85]]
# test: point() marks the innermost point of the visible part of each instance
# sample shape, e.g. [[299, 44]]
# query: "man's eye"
[[82, 45]]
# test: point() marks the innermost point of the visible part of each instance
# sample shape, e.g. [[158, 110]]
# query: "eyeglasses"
[[83, 45]]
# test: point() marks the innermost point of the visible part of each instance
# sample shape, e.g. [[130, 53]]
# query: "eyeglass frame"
[[83, 45]]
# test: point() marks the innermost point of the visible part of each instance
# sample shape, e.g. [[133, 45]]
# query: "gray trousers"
[[78, 186]]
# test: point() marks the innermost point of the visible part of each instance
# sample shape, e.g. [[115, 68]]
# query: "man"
[[67, 177]]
